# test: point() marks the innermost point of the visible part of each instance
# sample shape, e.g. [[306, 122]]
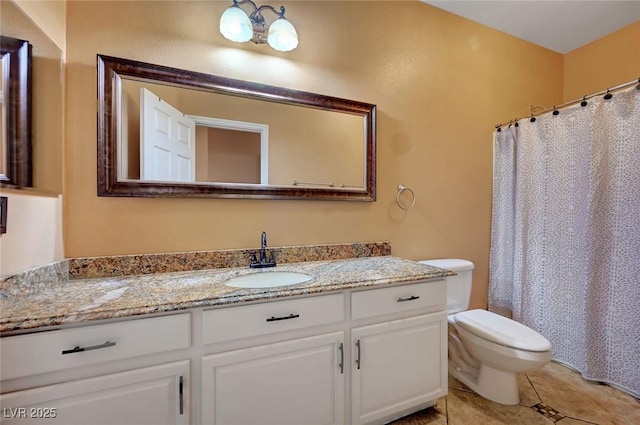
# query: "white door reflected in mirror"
[[167, 139]]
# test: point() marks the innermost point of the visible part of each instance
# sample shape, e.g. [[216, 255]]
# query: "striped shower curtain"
[[565, 240]]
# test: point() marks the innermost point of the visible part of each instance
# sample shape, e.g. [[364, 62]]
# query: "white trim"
[[122, 135], [364, 155], [251, 127]]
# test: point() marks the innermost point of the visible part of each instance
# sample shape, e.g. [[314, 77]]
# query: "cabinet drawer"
[[25, 355], [240, 322], [396, 299]]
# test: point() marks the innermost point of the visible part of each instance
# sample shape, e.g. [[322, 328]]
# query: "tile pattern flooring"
[[555, 394], [548, 412]]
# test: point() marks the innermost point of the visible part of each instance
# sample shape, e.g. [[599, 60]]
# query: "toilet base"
[[498, 386], [492, 384]]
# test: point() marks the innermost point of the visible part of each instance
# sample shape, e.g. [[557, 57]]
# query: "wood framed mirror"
[[259, 141], [33, 91], [15, 146]]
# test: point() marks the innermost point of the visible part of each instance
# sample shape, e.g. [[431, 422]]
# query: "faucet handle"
[[272, 257]]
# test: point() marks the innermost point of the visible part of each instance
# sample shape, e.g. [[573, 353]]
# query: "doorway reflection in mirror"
[[176, 134]]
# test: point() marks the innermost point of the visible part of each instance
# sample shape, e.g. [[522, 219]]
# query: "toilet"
[[487, 350]]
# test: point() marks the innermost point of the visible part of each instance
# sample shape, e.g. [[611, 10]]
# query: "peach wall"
[[607, 62], [234, 156], [34, 231], [49, 15], [202, 151], [440, 82]]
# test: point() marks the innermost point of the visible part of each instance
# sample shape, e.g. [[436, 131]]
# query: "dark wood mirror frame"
[[109, 68], [17, 137]]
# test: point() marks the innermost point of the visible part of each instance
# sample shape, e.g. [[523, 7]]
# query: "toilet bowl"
[[486, 350]]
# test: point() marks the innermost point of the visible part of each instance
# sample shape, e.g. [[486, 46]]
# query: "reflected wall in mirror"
[[32, 129], [171, 132]]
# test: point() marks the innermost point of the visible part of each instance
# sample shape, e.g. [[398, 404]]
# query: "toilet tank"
[[458, 287]]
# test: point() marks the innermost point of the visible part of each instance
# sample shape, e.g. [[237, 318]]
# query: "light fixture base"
[[241, 26]]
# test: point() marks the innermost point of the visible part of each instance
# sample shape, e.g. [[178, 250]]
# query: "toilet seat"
[[500, 330]]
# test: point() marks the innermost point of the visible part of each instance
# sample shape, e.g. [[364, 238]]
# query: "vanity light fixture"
[[240, 26]]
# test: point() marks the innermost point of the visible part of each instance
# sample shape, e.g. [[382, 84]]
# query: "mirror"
[[170, 132], [32, 90], [15, 98]]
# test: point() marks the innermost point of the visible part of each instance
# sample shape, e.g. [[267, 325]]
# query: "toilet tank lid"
[[501, 330], [453, 264]]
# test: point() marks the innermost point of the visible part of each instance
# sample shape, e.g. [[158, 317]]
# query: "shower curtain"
[[565, 238]]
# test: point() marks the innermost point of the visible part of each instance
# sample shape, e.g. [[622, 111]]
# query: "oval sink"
[[267, 279]]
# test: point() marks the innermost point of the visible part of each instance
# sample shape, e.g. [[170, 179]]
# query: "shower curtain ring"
[[584, 101]]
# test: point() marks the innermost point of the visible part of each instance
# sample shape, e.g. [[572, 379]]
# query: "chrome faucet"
[[255, 264], [263, 248]]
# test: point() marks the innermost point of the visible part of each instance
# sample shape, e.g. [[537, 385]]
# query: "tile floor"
[[553, 395]]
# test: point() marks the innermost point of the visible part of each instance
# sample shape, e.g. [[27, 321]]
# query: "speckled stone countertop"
[[81, 300]]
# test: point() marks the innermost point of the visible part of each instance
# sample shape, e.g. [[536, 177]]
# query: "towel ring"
[[402, 189]]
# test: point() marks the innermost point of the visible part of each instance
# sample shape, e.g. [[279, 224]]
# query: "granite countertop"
[[81, 300]]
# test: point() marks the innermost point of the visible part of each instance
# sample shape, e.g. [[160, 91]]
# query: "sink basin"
[[267, 279]]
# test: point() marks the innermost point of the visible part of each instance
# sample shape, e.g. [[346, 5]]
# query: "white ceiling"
[[559, 25]]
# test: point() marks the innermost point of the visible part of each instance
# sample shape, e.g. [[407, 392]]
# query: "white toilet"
[[487, 350]]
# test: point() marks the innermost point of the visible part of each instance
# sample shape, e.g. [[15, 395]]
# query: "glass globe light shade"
[[235, 25], [282, 35]]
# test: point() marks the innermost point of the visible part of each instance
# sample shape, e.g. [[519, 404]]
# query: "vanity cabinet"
[[147, 396], [357, 356], [398, 365], [298, 380], [99, 374], [288, 383], [397, 362]]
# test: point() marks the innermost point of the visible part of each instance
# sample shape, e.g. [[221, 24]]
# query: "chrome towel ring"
[[401, 190]]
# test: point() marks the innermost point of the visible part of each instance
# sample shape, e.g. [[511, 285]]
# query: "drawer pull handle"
[[358, 358], [275, 319], [181, 393], [77, 349], [341, 365], [411, 298]]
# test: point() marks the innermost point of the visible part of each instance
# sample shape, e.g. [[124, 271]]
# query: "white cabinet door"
[[155, 395], [397, 365], [287, 383]]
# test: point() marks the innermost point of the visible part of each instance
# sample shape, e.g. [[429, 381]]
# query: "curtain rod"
[[606, 92]]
